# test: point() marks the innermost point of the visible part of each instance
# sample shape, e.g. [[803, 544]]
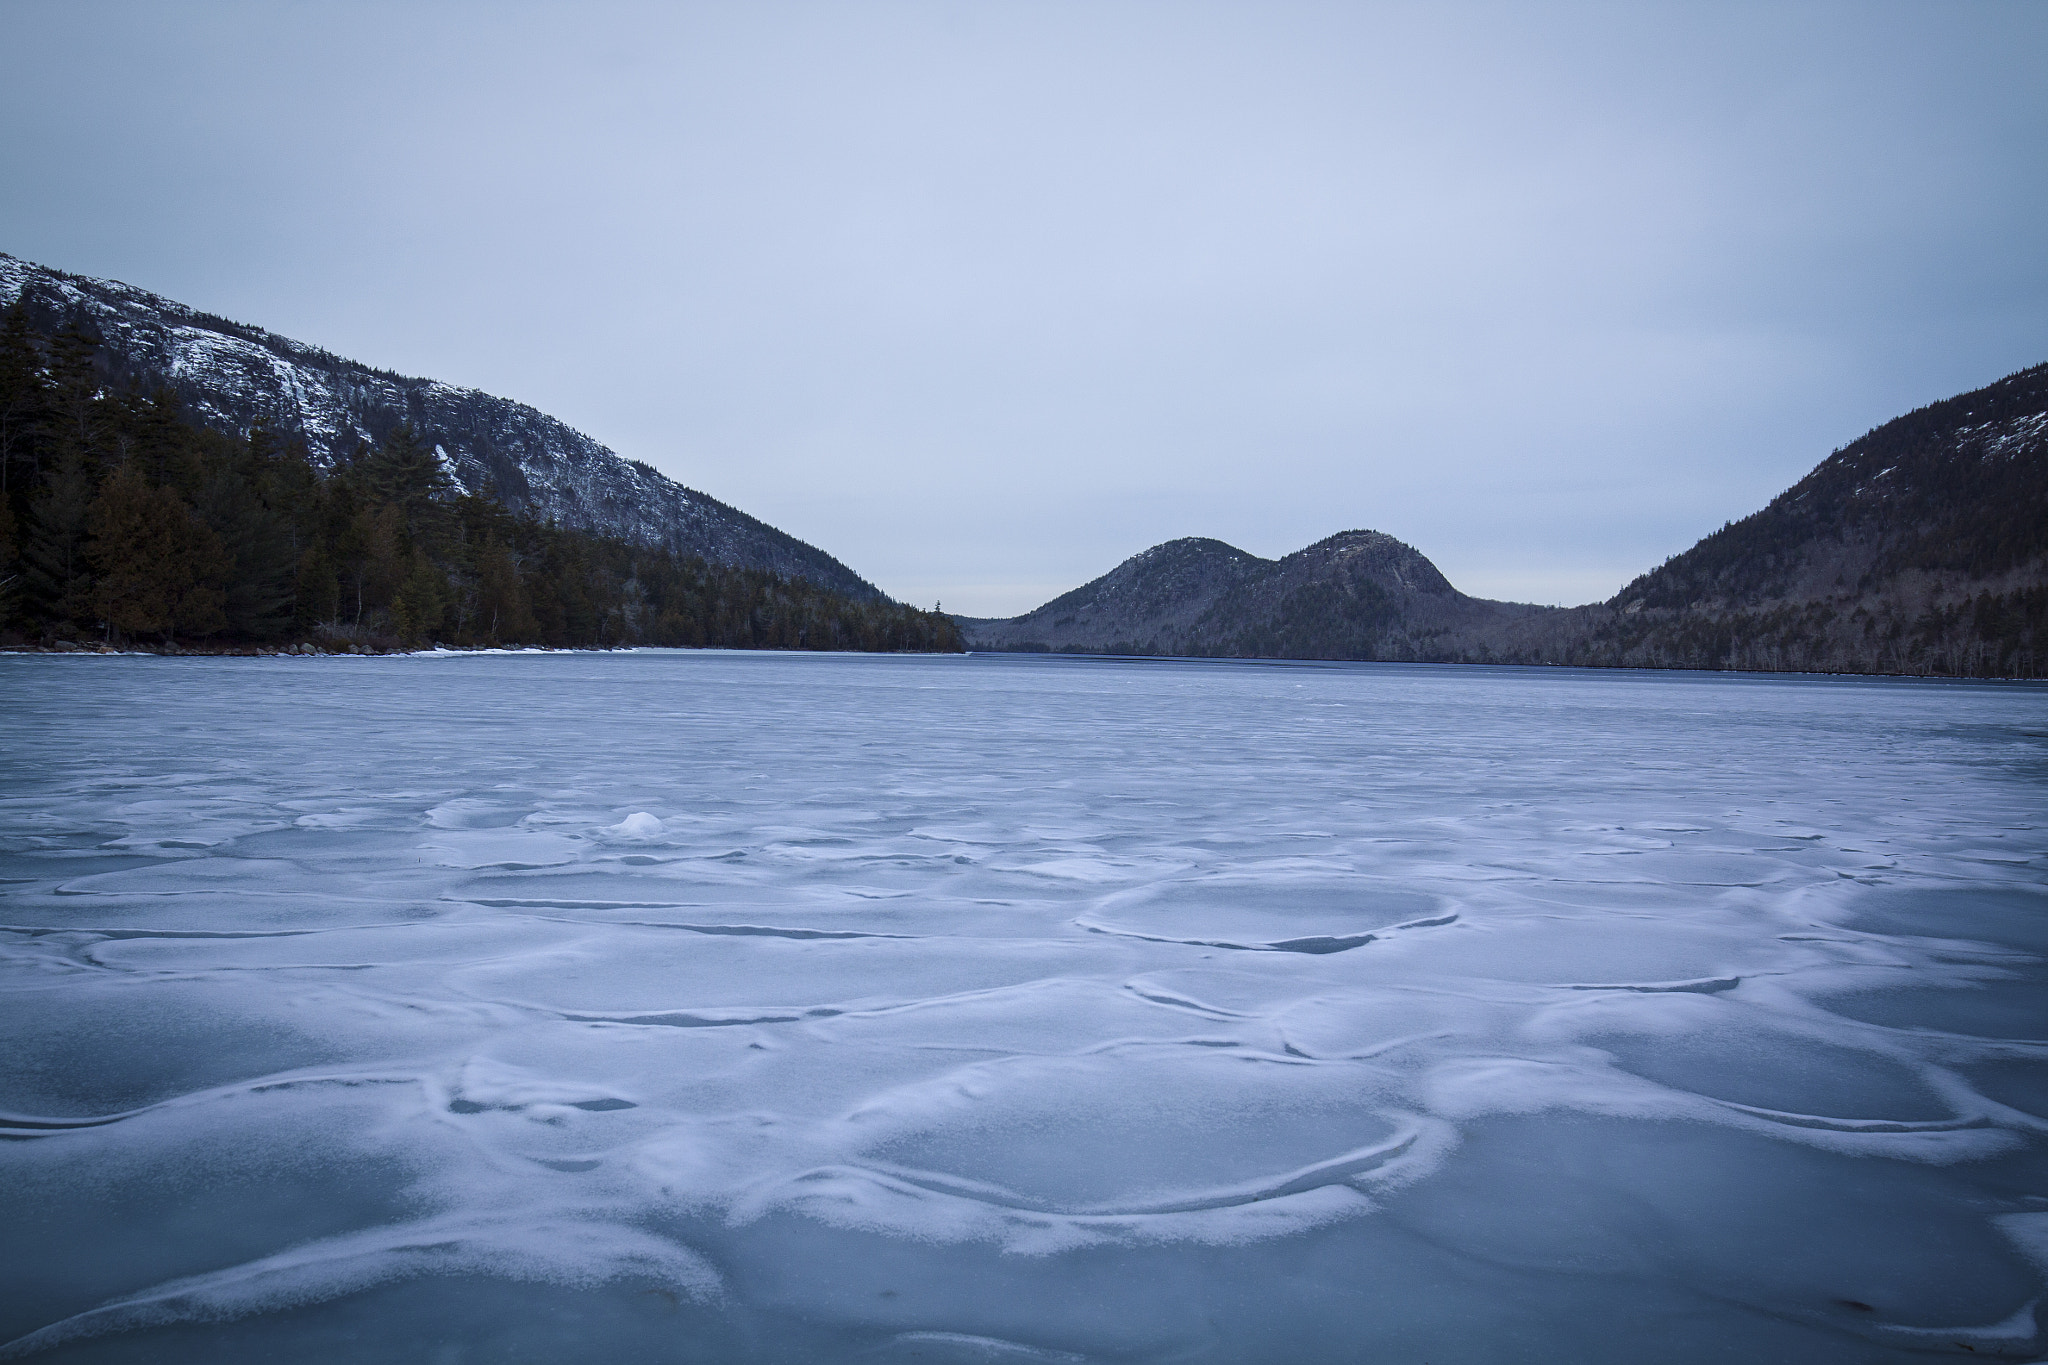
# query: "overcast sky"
[[983, 296]]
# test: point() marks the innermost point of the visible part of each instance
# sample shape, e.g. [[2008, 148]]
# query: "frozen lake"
[[725, 1008]]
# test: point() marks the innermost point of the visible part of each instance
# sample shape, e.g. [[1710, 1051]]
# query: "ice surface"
[[1016, 1010]]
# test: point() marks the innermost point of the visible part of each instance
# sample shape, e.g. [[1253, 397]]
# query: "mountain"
[[1920, 548], [232, 377], [1356, 595], [1146, 605]]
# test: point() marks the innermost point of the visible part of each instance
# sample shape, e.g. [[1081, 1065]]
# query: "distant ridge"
[[231, 376], [1356, 595], [1920, 548]]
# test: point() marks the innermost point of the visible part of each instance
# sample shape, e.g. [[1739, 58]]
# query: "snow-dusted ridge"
[[232, 376]]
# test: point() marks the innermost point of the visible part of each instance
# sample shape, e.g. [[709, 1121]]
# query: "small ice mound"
[[639, 825], [353, 817], [484, 1086], [470, 812], [1313, 913]]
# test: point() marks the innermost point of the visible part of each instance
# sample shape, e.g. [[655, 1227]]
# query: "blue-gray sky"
[[983, 296]]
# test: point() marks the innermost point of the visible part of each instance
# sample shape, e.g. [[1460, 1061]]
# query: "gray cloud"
[[984, 297]]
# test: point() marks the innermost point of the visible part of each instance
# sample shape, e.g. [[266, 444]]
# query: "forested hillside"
[[124, 522], [233, 377], [1920, 548]]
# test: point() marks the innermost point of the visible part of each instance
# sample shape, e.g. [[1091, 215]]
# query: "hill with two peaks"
[[1356, 595], [1920, 548], [234, 378]]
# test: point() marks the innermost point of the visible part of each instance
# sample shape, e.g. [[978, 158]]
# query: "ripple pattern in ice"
[[700, 1007]]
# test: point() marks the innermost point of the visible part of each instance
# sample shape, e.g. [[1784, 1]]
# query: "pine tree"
[[160, 570], [10, 567], [23, 404], [297, 493], [316, 590], [263, 575], [501, 612], [75, 419], [405, 473], [420, 602], [161, 438], [58, 577], [370, 561]]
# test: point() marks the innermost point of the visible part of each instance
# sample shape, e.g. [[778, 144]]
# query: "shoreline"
[[305, 650], [311, 651]]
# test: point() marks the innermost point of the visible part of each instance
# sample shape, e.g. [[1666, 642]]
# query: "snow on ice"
[[699, 1007]]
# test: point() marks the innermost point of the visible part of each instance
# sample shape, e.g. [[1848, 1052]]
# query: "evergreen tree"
[[420, 602], [58, 576], [10, 567], [405, 473], [23, 406], [161, 439], [76, 421], [295, 491], [501, 611], [316, 590], [263, 569], [371, 560], [159, 569]]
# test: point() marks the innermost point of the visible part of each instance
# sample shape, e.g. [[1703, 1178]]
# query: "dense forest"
[[123, 523]]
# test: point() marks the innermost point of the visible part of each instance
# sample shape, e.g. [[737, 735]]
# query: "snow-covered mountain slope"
[[232, 376]]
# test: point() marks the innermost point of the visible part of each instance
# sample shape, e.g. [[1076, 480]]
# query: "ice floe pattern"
[[710, 1008]]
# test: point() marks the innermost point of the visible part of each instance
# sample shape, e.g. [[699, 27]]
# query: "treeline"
[[1990, 635], [124, 521]]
